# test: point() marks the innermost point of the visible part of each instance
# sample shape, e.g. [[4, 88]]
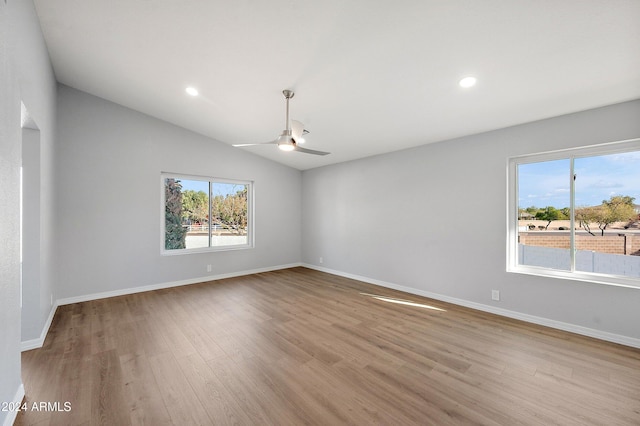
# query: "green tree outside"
[[195, 206], [175, 233], [550, 214], [618, 208]]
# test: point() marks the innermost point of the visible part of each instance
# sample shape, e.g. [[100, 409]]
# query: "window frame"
[[628, 145], [211, 180]]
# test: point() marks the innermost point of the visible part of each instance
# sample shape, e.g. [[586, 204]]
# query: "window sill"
[[618, 281], [204, 250]]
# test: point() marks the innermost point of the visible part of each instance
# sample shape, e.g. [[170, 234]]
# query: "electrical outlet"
[[495, 295], [321, 260], [208, 268]]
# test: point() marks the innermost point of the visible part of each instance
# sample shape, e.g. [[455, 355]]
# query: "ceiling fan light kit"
[[291, 136], [285, 141]]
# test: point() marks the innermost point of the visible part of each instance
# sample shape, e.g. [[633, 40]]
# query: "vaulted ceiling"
[[369, 76]]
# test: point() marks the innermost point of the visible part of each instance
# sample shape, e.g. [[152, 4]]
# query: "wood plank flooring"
[[299, 346]]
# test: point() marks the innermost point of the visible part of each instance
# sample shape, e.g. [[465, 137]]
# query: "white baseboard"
[[17, 399], [132, 290], [37, 343], [27, 345], [585, 331]]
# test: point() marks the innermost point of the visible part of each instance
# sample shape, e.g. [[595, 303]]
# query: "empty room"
[[338, 212]]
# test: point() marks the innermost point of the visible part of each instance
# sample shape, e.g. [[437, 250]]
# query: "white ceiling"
[[369, 76]]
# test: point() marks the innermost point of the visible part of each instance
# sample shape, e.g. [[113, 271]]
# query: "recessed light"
[[468, 82], [192, 91]]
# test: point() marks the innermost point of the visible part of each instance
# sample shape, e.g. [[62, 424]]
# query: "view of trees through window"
[[205, 213], [606, 212]]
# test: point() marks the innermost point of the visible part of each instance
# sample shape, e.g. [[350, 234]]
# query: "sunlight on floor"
[[402, 302]]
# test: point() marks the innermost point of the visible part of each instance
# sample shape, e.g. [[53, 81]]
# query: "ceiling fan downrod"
[[285, 141], [288, 94]]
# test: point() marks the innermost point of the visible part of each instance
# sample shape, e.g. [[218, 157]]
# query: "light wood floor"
[[302, 347]]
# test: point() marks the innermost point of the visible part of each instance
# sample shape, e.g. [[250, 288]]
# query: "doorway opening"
[[30, 224]]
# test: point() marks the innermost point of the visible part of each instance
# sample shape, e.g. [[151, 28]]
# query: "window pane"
[[206, 215], [607, 189], [186, 214], [544, 238], [229, 212]]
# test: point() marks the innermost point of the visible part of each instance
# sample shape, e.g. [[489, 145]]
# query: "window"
[[205, 214], [576, 214]]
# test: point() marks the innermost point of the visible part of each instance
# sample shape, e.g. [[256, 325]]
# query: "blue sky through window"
[[219, 188], [597, 179], [195, 185]]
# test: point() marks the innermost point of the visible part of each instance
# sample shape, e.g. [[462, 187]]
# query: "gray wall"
[[25, 76], [109, 163], [99, 212], [442, 210]]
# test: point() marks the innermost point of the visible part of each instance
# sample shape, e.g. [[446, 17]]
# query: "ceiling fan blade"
[[309, 151], [297, 129], [255, 144]]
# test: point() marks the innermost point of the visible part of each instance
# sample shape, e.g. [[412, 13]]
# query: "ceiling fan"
[[291, 137]]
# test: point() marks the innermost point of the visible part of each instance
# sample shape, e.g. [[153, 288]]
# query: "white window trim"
[[250, 212], [512, 212]]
